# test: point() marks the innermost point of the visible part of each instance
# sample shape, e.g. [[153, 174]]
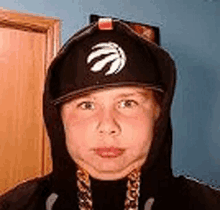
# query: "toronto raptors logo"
[[109, 53]]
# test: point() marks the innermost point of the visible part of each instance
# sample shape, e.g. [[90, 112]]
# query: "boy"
[[107, 104]]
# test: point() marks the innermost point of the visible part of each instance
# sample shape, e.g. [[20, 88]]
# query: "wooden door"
[[27, 45]]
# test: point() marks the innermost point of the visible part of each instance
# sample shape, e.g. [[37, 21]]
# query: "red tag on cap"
[[105, 24]]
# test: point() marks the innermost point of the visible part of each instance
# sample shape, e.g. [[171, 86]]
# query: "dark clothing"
[[58, 191], [39, 193]]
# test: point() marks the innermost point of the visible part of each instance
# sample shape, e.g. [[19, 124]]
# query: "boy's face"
[[109, 132]]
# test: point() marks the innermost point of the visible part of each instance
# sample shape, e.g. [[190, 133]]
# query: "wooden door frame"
[[49, 26]]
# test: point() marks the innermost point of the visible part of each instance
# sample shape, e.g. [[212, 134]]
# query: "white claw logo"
[[114, 54]]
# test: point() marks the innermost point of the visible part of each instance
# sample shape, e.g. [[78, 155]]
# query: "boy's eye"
[[127, 104], [86, 105]]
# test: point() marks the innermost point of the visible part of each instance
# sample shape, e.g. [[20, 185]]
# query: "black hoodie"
[[58, 190]]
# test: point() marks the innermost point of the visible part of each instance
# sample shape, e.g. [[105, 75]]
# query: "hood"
[[61, 86]]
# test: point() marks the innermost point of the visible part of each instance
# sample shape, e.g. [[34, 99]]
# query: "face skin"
[[109, 132]]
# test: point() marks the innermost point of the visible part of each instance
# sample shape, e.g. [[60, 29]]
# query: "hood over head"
[[94, 58]]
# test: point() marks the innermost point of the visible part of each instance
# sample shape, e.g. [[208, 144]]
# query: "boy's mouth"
[[109, 152]]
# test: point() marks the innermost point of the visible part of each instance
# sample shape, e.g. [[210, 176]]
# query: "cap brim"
[[77, 93]]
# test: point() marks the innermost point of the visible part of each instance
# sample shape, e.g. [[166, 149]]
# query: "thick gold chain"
[[133, 189], [85, 195]]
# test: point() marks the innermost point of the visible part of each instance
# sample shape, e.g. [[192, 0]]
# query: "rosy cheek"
[[75, 118], [69, 119], [82, 128]]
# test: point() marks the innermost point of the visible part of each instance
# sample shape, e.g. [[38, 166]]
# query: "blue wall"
[[190, 31]]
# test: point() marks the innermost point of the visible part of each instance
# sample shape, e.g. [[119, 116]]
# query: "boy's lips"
[[109, 152]]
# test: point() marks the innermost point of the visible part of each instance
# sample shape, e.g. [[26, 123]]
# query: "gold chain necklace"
[[85, 194]]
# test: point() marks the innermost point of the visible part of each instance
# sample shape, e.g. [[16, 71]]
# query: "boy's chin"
[[109, 171]]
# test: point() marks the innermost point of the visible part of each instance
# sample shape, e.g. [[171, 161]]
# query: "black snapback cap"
[[152, 33], [107, 53]]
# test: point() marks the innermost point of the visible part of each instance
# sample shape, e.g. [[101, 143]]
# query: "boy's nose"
[[108, 123]]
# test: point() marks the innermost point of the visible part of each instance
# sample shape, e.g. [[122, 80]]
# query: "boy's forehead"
[[121, 91], [116, 92]]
